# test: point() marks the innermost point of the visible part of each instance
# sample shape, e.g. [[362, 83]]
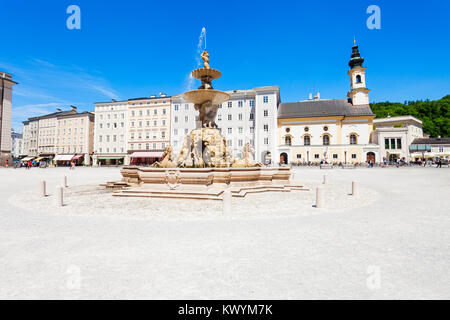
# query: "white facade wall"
[[111, 131], [359, 127], [244, 129]]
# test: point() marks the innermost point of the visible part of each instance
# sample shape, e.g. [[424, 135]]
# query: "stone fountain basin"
[[212, 74], [202, 95]]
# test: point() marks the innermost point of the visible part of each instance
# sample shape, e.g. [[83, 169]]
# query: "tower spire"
[[356, 59]]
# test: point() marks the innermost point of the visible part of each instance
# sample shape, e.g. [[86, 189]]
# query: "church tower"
[[358, 94]]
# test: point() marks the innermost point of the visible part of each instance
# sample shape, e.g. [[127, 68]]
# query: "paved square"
[[392, 241]]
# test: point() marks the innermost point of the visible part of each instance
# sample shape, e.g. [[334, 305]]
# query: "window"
[[240, 116], [240, 142], [399, 143], [325, 128], [219, 117], [176, 119], [358, 79], [114, 138], [299, 156], [230, 130], [306, 140], [175, 132], [230, 104], [133, 113], [266, 99], [335, 156], [326, 140], [140, 113], [240, 103], [252, 103], [441, 149], [266, 127], [316, 156], [186, 119], [155, 112], [241, 130], [266, 140], [392, 143], [164, 111], [100, 138], [266, 113], [186, 107], [229, 142], [230, 117], [252, 116], [353, 139], [353, 155], [306, 129], [176, 107], [147, 146], [386, 143], [287, 140], [252, 129]]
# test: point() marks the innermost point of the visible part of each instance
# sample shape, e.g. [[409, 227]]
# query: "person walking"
[[7, 163], [29, 165]]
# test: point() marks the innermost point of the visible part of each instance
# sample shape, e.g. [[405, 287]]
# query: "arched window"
[[326, 140], [306, 140], [358, 78], [288, 140], [353, 139]]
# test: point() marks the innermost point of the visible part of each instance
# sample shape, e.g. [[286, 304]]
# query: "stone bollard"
[[226, 205], [43, 190], [64, 182], [324, 179], [354, 188], [319, 197], [60, 196]]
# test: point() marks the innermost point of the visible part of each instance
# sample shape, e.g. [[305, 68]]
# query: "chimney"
[[153, 96], [310, 96], [74, 108], [317, 97]]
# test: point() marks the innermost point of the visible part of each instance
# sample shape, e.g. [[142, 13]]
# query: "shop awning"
[[38, 158], [27, 159], [78, 156], [63, 157], [149, 154], [110, 157]]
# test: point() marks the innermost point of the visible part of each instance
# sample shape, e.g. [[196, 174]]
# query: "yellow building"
[[149, 128], [329, 130]]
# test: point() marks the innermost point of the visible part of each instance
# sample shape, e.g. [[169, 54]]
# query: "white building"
[[111, 133], [330, 130], [249, 116], [394, 135], [16, 144], [430, 148]]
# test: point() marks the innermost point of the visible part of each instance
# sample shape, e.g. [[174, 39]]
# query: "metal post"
[[319, 197], [226, 205], [354, 188], [64, 182], [324, 179]]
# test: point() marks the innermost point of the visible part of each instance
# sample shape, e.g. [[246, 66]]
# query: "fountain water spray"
[[201, 45]]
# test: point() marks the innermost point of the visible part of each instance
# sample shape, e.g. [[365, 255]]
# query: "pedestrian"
[[29, 164], [7, 163]]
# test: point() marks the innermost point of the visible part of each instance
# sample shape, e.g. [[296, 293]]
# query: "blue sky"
[[128, 49]]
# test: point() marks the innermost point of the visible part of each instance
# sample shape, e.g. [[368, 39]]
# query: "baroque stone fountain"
[[205, 167]]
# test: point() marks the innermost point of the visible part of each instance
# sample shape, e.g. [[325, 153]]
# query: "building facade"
[[75, 137], [250, 116], [6, 86], [332, 131], [430, 148], [149, 128], [111, 133], [394, 135], [16, 144]]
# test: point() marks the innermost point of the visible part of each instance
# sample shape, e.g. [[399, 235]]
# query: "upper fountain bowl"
[[201, 73], [202, 95]]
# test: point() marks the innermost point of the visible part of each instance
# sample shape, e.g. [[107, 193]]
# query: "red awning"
[[78, 156], [149, 154]]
